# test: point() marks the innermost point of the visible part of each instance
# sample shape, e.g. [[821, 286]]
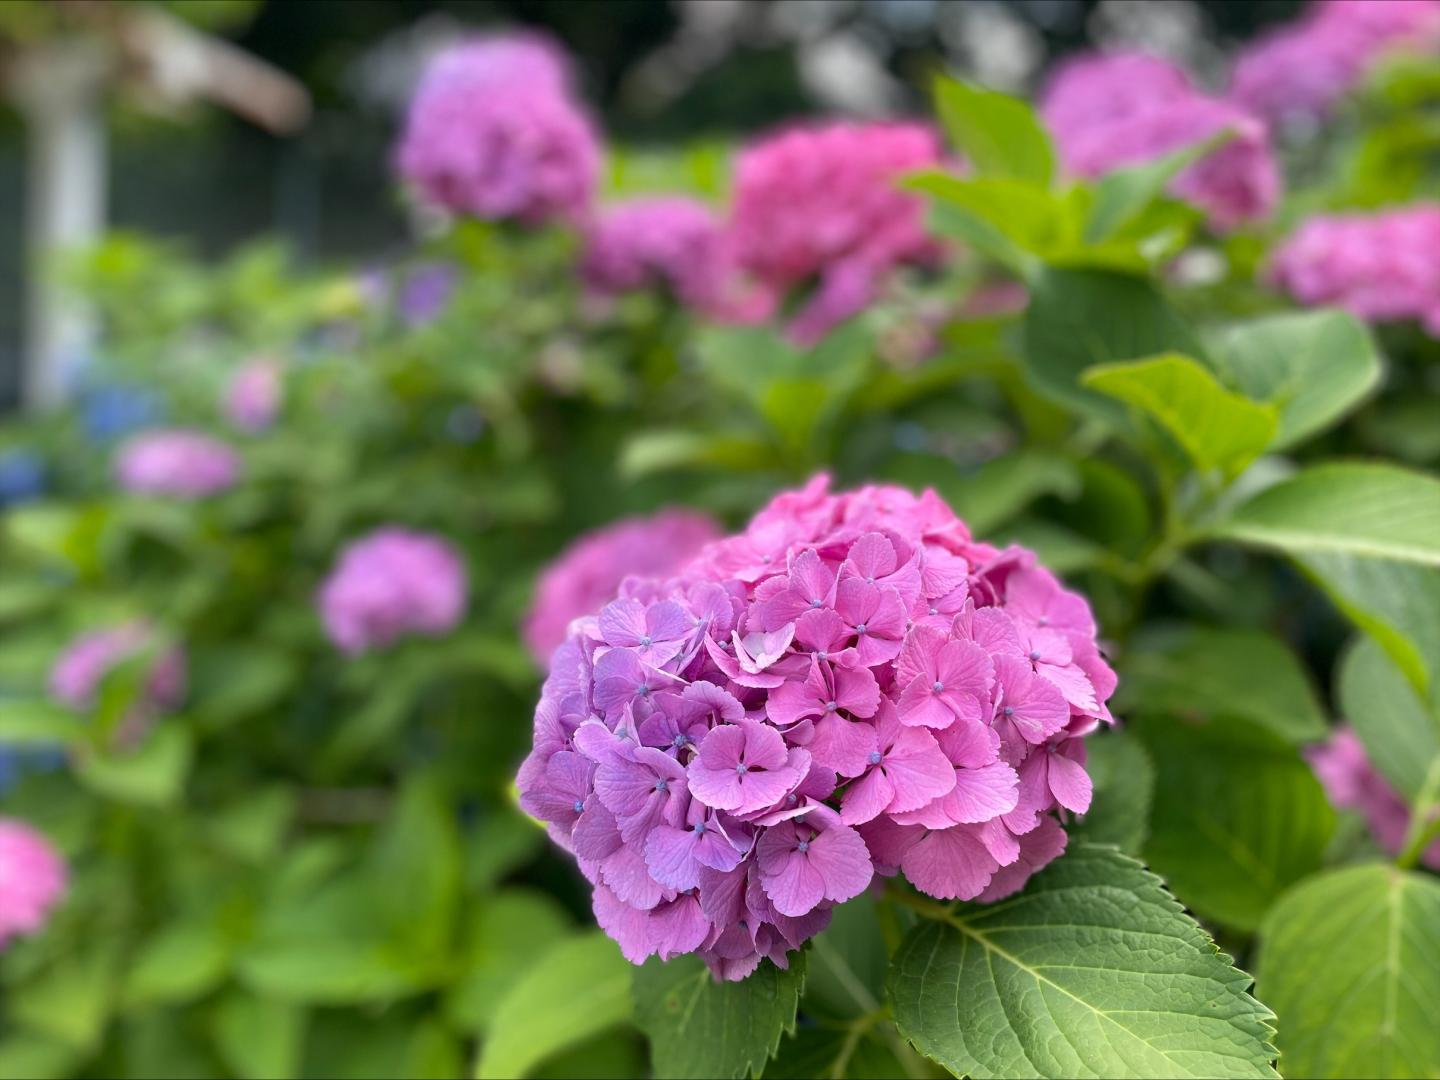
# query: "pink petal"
[[920, 706], [670, 857], [969, 743], [867, 798], [842, 745], [629, 879], [983, 793], [918, 770], [949, 865], [797, 888], [843, 860], [857, 692], [1069, 783]]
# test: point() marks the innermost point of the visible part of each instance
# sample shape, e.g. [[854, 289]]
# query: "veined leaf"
[[1216, 427], [1400, 731], [1350, 960], [1314, 366], [700, 1028], [1093, 970], [1374, 510]]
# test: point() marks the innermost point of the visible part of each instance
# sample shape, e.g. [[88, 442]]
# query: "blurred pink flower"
[[589, 572], [1301, 69], [32, 879], [1352, 783], [391, 583], [1377, 266], [493, 131], [183, 463], [821, 206], [253, 394], [1108, 112], [79, 670]]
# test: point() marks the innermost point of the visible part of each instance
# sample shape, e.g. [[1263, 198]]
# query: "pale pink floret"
[[493, 132], [1378, 266], [392, 583], [1353, 783], [1108, 112], [589, 572], [852, 686], [1302, 69], [177, 462], [819, 209], [253, 394], [32, 879], [78, 672]]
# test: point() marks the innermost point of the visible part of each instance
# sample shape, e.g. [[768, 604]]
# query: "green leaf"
[[702, 1028], [29, 1057], [1238, 817], [70, 1001], [845, 972], [500, 842], [180, 963], [999, 134], [415, 869], [329, 970], [152, 774], [24, 721], [1200, 672], [1079, 318], [1350, 960], [1124, 778], [1218, 429], [834, 1052], [1123, 194], [1093, 970], [567, 994], [1011, 221], [241, 681], [651, 452], [1401, 734], [1315, 366], [1398, 604], [259, 1039], [505, 932], [1374, 510], [252, 827]]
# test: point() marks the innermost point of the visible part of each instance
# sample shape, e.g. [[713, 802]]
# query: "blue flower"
[[114, 409], [22, 476]]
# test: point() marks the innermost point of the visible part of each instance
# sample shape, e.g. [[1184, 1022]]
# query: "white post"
[[59, 91]]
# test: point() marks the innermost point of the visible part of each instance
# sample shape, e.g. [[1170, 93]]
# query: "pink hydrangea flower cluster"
[[822, 205], [1302, 69], [673, 241], [179, 462], [589, 572], [494, 131], [253, 394], [1352, 783], [32, 879], [1378, 266], [1111, 111], [82, 666], [852, 686], [391, 583]]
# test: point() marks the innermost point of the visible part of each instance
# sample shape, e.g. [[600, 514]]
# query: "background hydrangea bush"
[[960, 595]]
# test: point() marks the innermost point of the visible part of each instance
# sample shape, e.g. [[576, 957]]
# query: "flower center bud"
[[646, 641], [860, 629], [741, 769], [803, 846], [579, 807], [830, 706], [661, 785], [938, 686], [875, 757], [1008, 710]]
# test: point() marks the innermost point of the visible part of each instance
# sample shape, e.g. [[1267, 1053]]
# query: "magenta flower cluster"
[[32, 879], [494, 131], [77, 673], [591, 570], [1300, 70], [389, 584], [176, 462], [1379, 266], [253, 395], [852, 686], [1353, 783], [1112, 111], [821, 206]]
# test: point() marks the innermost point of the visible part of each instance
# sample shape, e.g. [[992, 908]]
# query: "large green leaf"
[[1374, 510], [416, 867], [1200, 672], [570, 992], [1238, 817], [1122, 195], [700, 1028], [1216, 427], [181, 962], [1400, 732], [1093, 970], [1080, 318], [1350, 961], [1398, 604], [1000, 135], [505, 931], [259, 1039], [151, 774], [1315, 366]]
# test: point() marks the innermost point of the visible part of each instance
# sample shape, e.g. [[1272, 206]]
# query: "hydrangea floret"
[[853, 686], [176, 462], [32, 879]]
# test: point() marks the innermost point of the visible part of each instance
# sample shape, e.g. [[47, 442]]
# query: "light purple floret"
[[851, 687], [78, 672], [176, 462], [1353, 783], [32, 879], [389, 584]]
